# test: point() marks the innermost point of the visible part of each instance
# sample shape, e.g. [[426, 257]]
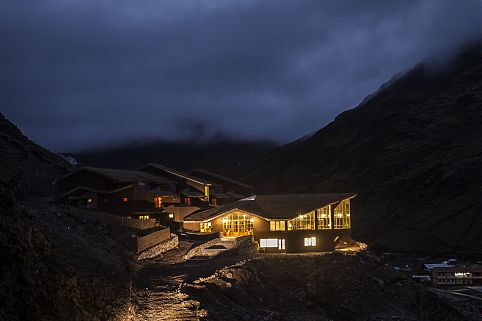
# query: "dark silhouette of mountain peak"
[[412, 151]]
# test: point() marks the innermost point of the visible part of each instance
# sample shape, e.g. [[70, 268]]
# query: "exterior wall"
[[138, 200], [191, 226], [114, 203], [325, 239], [448, 277], [180, 212], [105, 218]]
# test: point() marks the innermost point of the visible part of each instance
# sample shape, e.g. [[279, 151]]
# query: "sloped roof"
[[121, 175], [178, 174], [86, 188], [430, 266], [222, 178], [282, 206]]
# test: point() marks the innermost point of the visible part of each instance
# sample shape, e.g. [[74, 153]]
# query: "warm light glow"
[[89, 200], [206, 227], [342, 215], [303, 222], [277, 226], [310, 241], [237, 224], [158, 202], [125, 199], [171, 215]]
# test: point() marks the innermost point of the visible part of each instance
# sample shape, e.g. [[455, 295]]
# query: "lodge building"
[[152, 192], [281, 223], [204, 202]]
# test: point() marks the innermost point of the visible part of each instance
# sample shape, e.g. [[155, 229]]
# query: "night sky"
[[77, 74]]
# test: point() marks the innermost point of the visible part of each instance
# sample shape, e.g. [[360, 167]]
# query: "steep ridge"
[[25, 167], [53, 267], [412, 152]]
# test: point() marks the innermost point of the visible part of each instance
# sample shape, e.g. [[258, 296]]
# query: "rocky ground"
[[315, 287], [158, 283], [55, 267]]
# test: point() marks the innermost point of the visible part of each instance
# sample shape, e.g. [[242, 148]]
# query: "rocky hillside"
[[52, 266], [25, 167], [412, 152], [329, 287]]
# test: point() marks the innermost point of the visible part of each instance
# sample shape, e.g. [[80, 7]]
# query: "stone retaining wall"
[[154, 238], [198, 249], [160, 248]]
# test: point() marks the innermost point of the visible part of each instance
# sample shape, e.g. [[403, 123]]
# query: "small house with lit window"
[[281, 223]]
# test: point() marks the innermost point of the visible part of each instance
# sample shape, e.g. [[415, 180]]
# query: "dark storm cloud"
[[77, 73]]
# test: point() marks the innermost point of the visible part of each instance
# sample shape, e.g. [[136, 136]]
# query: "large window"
[[279, 243], [310, 241], [342, 215], [268, 243], [303, 222], [277, 226], [206, 227], [238, 224], [324, 218]]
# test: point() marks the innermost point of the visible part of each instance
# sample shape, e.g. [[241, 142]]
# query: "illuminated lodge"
[[281, 223]]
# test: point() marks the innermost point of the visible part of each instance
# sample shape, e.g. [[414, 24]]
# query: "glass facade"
[[342, 215], [238, 224], [324, 217], [277, 226], [303, 222]]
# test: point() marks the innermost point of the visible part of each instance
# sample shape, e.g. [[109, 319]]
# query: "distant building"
[[121, 192], [281, 223], [457, 275], [154, 191], [431, 266]]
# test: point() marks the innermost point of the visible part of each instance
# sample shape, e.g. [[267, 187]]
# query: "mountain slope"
[[25, 167], [412, 152], [53, 267]]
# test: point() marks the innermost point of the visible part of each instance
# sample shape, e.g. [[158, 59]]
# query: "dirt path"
[[158, 282]]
